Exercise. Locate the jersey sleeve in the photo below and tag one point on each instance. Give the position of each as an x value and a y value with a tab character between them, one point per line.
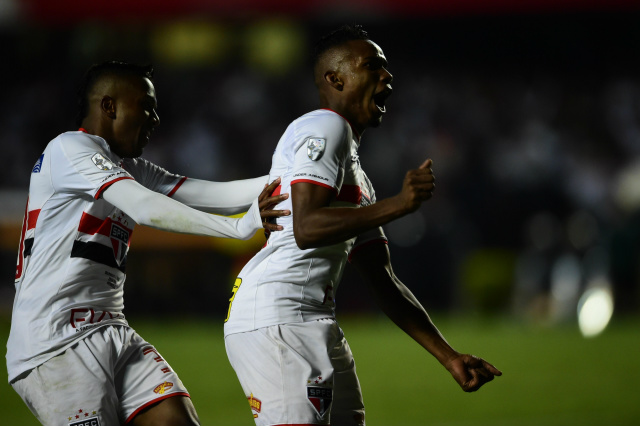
152	176
79	165
374	236
323	145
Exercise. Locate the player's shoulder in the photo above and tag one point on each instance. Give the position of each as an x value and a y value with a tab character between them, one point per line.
324	118
135	162
323	123
78	141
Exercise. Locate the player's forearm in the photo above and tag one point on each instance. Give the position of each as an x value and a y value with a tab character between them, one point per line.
158	211
401	306
331	225
224	198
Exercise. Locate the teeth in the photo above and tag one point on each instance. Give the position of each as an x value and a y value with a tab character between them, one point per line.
379	101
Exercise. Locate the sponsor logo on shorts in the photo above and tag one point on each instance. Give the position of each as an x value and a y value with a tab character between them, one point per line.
320	398
84	418
255	404
162	388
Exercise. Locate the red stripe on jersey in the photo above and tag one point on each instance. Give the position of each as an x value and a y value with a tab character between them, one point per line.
276	191
350	194
107	185
20	264
142	407
178	185
93	225
368	243
32	219
313	182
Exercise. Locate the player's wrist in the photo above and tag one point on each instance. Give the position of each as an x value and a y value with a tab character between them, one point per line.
251	222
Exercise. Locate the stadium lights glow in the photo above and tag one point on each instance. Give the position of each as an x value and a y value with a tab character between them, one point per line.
595	309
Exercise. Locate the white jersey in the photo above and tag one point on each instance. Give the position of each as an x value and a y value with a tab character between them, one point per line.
73	248
282	283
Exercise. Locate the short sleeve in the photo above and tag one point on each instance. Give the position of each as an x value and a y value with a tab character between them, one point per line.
80	165
152	176
323	145
374	236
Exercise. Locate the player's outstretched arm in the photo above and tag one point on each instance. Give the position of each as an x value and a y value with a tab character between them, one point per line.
400	305
149	208
225	198
315	224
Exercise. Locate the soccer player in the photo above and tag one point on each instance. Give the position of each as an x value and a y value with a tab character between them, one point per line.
71	355
281	336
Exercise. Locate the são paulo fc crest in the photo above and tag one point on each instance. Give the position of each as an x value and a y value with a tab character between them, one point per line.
119	242
101	162
320	398
315	148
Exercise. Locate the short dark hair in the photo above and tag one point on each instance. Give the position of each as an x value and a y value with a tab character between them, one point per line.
337	37
97	71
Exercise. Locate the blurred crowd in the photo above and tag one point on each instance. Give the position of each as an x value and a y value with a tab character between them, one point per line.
533	124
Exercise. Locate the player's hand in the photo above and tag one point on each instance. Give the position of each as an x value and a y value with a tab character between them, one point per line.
266	202
418	186
471	372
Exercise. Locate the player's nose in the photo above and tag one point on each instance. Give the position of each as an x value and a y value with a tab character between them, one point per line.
386	76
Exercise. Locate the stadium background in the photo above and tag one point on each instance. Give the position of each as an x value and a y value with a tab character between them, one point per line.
530	110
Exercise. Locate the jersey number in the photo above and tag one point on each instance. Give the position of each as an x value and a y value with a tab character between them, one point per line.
236	286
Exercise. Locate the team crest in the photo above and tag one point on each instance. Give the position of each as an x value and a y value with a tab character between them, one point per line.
320	398
315	148
119	242
101	162
163	387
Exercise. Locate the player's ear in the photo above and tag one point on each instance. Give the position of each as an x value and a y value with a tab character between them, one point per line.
334	80
108	106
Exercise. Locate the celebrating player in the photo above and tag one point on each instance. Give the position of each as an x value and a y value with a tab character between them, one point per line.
289	354
71	355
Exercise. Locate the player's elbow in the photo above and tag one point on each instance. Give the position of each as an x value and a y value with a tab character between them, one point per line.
304	236
302	240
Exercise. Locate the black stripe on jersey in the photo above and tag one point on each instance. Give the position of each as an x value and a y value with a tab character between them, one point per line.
28	244
96	252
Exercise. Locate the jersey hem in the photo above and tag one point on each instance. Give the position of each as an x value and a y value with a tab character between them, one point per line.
314	182
154	401
107	185
229	330
178	185
27	366
365	244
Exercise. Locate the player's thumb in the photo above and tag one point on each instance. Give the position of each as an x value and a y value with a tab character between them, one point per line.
427	163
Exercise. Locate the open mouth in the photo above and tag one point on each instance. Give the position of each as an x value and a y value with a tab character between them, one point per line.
380	98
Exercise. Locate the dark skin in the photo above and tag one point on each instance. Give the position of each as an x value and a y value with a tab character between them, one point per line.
122	110
352	80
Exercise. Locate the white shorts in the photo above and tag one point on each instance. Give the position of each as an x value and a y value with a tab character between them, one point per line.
105	379
298	374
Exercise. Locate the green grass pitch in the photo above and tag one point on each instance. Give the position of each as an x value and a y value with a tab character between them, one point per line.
552	376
